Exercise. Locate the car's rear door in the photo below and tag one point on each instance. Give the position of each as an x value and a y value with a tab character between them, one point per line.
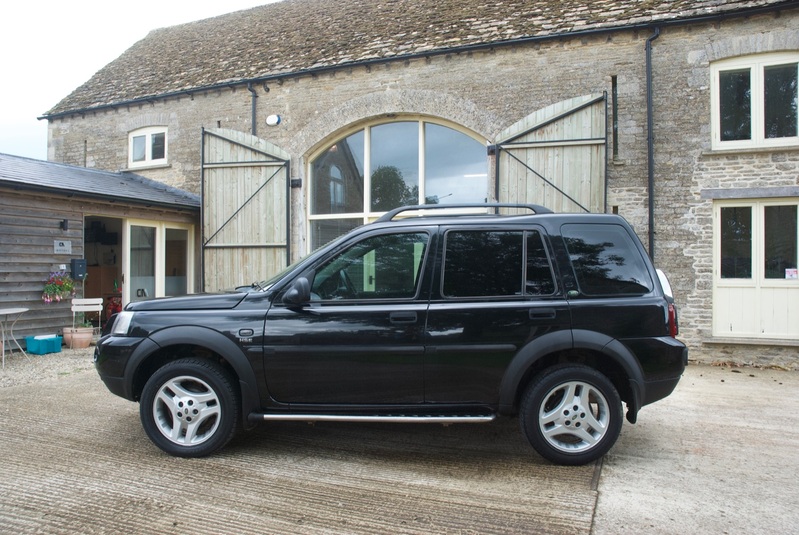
495	292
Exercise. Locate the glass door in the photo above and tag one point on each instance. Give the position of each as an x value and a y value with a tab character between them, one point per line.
176	259
159	260
142	262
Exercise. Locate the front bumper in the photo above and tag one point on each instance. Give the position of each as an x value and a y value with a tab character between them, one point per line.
113	359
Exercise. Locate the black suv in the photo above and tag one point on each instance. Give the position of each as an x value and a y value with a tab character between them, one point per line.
421	318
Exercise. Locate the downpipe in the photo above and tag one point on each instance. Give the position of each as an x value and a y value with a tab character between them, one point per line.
650	141
254	99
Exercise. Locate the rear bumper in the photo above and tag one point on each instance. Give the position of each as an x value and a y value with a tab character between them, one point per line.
655	390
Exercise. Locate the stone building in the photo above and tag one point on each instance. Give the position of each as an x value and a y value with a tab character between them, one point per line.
298	120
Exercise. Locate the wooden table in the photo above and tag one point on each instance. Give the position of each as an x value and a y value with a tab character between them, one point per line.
12	315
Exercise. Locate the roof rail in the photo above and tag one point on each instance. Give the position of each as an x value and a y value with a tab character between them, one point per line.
535	208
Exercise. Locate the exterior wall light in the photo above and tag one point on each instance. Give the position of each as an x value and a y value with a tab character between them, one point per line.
273	120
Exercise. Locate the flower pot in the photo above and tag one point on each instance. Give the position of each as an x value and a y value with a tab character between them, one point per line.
78	337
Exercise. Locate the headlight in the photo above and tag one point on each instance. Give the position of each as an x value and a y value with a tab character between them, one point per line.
122	323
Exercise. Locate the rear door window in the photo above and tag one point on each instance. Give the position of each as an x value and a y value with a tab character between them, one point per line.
606	260
496	263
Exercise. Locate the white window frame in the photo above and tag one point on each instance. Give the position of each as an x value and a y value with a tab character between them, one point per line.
753	307
148	133
160	228
756	64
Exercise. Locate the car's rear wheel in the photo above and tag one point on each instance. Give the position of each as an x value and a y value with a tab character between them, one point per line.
190	408
571	414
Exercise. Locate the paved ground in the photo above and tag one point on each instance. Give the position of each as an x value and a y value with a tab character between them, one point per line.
719	456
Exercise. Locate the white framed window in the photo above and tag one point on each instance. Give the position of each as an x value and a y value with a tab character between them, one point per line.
756	283
147	147
754	101
384	165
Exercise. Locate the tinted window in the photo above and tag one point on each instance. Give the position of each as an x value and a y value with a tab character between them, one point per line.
492	263
539	272
379	267
606	260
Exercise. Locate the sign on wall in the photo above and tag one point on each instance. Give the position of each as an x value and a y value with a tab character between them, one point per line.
62	247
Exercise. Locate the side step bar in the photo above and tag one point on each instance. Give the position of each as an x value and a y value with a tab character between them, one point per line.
432	419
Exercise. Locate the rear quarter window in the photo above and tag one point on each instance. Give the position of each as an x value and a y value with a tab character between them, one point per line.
606	260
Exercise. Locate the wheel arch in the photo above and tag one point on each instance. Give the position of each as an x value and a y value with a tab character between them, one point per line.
173	343
599	351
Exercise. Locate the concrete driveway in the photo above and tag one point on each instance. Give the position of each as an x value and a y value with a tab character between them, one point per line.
719	456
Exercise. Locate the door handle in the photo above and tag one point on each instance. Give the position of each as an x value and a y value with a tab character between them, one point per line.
402	317
542	313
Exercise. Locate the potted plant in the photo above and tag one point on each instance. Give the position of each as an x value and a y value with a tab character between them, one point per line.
80	335
57	287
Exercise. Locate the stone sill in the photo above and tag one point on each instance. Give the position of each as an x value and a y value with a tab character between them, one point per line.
758	150
783	342
147	167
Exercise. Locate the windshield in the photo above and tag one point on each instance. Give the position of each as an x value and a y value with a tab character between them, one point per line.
264	285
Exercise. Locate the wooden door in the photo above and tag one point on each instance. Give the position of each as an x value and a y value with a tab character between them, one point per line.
245	209
556	157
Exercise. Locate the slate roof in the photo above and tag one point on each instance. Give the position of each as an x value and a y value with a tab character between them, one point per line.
296	36
61	179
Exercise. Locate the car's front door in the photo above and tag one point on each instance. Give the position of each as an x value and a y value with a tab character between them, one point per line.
360	339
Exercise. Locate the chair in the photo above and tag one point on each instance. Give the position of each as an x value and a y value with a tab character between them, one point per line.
92	304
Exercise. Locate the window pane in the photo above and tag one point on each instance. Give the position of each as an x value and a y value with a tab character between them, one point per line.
779	87
394	165
736	242
138	147
159	146
176	261
380	267
735	108
337	178
539	272
780	236
483	264
142	263
606	260
455	167
327	230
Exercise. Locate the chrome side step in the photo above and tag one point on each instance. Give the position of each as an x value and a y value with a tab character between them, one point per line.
377	418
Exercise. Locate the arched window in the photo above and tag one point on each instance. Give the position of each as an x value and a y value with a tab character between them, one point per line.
387	165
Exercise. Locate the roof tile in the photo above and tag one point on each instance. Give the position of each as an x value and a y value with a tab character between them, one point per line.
27	173
297	35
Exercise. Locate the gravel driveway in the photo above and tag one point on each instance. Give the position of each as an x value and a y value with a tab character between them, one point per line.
717	456
20	371
75	460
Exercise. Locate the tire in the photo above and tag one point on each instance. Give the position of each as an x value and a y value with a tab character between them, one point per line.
571	414
190	408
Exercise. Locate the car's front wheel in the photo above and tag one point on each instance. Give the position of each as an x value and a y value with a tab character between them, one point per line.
190	408
571	414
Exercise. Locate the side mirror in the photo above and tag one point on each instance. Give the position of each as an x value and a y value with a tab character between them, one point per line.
299	293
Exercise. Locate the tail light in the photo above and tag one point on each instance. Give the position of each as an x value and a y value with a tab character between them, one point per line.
674	328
